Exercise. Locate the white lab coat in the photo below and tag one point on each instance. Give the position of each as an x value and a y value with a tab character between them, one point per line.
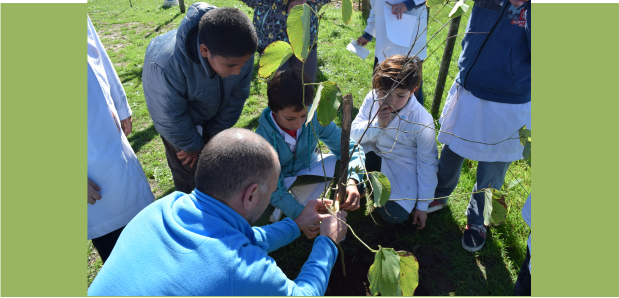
412	164
112	164
384	47
478	120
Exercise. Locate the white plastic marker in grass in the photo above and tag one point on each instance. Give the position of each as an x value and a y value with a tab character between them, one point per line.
357	49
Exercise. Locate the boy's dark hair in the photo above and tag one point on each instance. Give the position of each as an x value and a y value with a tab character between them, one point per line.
387	73
227	32
285	90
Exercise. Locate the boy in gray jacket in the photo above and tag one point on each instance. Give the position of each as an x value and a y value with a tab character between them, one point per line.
196	79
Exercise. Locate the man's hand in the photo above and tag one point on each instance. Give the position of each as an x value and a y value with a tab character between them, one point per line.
420	219
384	116
352	196
190	158
333	228
294	3
362	41
398	9
517	3
93	195
126	125
313	213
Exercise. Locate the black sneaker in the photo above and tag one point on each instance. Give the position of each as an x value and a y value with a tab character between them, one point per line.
474	237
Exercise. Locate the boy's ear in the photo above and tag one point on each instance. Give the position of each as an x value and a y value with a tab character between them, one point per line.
416	88
203	50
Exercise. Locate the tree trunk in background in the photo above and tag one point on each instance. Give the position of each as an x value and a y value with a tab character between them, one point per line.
444	70
365	8
181	3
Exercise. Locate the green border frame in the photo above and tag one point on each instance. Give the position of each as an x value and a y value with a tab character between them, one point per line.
575	117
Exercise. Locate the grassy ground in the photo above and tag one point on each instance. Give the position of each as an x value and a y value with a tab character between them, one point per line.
445	268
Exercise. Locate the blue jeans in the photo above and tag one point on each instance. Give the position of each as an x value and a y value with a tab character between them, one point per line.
488	174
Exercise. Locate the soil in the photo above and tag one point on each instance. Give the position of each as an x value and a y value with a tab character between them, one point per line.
355	283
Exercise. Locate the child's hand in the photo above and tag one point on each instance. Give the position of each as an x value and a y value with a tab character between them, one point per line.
362	41
353	198
398	9
517	3
420	219
384	117
93	194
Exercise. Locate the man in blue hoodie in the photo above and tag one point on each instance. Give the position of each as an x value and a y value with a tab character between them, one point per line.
488	103
196	80
202	244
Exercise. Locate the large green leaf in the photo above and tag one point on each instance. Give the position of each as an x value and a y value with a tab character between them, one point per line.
330	101
524	135
458	9
430	3
409	273
382	188
273	57
346	11
298	28
495	208
525	140
384	272
312	111
526	153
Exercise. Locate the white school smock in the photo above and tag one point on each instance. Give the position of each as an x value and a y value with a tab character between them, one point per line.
475	119
412	165
377	28
112	164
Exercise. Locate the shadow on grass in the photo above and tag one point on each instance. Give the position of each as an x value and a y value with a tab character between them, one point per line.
131	74
253	123
167	192
141	138
164	24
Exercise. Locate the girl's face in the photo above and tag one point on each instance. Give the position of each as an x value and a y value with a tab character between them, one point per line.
398	98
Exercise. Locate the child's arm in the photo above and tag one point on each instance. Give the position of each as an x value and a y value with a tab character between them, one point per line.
283	200
427	161
363	118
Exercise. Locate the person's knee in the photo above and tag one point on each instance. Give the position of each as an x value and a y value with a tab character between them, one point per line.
393	213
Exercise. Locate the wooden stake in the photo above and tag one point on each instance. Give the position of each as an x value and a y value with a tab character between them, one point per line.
345	140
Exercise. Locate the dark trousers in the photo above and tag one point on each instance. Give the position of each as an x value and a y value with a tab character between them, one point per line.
418	94
311	64
105	243
184	177
392	212
523	283
488	174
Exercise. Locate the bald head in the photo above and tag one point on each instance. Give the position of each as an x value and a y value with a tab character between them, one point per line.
234	159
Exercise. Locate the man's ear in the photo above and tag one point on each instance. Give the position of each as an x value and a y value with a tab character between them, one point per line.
203	50
251	196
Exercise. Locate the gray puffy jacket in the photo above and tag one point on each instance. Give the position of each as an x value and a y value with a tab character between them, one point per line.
182	91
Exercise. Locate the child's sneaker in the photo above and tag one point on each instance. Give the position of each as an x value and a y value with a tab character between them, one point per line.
435	205
474	237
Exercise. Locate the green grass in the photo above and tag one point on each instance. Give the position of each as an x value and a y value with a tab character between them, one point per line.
446	269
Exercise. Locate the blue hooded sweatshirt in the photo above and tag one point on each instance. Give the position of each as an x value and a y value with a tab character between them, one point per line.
293	162
495	63
195	245
181	89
